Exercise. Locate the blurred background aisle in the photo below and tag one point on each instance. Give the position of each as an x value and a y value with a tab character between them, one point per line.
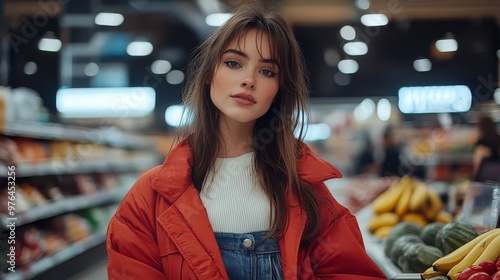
90	98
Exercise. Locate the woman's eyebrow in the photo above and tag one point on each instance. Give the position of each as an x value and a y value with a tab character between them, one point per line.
244	55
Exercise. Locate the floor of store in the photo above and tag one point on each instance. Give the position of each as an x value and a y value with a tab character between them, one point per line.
96	271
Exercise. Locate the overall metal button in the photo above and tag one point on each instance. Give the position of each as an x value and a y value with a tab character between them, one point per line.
247	242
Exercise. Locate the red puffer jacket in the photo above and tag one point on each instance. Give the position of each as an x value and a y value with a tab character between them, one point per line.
161	230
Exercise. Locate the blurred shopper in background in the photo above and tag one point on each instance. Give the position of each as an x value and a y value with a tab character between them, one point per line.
365	161
240	197
487	145
391	162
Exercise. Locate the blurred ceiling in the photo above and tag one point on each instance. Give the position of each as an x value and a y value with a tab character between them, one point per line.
301	12
174	27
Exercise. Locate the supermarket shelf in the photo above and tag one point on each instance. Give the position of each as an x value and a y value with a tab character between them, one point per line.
62	256
53	131
80	166
375	249
64	206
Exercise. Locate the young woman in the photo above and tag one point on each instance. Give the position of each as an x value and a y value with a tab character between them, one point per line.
240	197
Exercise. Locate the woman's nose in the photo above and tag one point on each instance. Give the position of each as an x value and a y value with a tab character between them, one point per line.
247	83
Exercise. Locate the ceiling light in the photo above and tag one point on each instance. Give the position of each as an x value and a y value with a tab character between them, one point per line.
364	110
173	115
91	69
355	48
139	48
348	66
348	32
161	67
374	20
217	19
120	102
447	45
362	4
496	96
175	77
30	68
108	19
422	65
49	44
434	99
384	109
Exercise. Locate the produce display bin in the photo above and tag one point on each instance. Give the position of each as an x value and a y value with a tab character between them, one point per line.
481	206
375	249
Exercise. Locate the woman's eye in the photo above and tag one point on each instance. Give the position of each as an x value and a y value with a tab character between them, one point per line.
232	64
268	73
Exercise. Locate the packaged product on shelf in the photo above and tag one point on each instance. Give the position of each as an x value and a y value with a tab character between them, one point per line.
85	184
31	246
51	192
7	113
97	218
22	203
89	151
107	181
77	228
28	105
54	242
4	200
8	152
30	150
33	195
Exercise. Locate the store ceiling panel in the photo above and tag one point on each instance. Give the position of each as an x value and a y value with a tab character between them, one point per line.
174	27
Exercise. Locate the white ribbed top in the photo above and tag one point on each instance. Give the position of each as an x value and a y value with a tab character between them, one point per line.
234	200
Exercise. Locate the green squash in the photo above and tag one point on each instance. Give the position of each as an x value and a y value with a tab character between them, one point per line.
418	258
401	244
453	235
429	233
400	229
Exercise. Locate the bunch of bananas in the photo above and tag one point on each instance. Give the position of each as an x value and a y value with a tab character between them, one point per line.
408	199
484	247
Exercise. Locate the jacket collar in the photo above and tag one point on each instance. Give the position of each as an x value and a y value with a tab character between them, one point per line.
175	175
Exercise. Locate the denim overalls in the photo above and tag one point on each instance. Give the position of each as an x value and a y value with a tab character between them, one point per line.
247	259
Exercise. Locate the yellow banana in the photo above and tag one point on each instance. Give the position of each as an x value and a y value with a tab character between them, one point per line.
404	200
387	200
429	273
435	205
383	232
418	196
382	220
417	218
445	263
492	252
472	256
443	217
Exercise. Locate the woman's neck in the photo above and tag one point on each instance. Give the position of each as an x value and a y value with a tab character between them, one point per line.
236	138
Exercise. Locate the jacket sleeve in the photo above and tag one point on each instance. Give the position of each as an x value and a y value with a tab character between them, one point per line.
131	243
338	252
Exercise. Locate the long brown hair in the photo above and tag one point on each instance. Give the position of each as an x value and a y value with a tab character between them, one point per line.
277	148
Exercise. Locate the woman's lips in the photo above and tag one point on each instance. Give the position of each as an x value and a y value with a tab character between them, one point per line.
244	98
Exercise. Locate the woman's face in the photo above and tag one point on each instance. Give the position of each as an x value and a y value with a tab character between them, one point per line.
245	81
